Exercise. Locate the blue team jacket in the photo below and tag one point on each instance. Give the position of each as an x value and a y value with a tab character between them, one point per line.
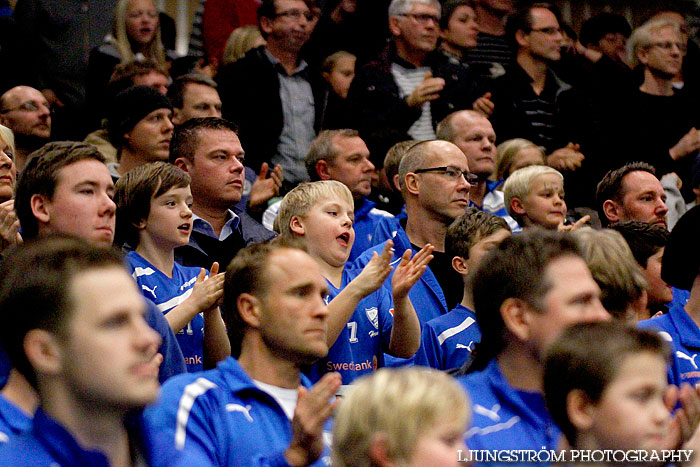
448	340
366	220
13	421
505	418
359	348
223	416
683	336
48	444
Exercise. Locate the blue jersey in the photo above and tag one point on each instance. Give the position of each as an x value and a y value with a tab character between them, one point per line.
224	416
167	293
683	336
13	421
359	347
48	444
448	340
366	219
505	418
493	203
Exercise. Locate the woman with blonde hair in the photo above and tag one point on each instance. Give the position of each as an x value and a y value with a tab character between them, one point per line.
240	41
516	153
401	417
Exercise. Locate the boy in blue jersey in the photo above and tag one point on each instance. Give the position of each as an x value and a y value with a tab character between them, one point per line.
680	268
448	340
613	395
319	216
256	407
527	290
75	329
534	196
154	216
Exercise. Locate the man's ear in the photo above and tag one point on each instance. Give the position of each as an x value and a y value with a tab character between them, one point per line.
379	451
43	351
140	225
39	204
642	56
522	38
412	184
266	24
517	206
611	210
249	308
296	225
322	169
459	264
177	114
394	26
397	185
579	410
515	313
183	164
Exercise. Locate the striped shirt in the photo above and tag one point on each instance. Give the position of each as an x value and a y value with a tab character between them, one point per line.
408	80
491	57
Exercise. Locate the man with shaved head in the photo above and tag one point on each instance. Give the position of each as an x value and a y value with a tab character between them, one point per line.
435	184
471	132
27	113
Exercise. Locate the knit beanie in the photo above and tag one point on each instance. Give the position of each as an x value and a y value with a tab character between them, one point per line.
129	107
680	264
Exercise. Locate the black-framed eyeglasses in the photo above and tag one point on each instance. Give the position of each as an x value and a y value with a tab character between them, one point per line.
422	18
452	173
296	14
551	31
30	106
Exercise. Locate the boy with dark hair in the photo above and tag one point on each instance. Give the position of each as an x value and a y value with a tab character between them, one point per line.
76	331
648	243
448	340
680	268
613	395
526	292
153	203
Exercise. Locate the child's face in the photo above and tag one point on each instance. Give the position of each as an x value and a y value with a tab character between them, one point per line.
341	76
169	222
659	292
438	446
328	232
483	246
544	205
631	413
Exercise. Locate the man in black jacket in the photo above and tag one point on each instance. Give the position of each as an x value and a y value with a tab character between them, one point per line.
209	150
411	86
272	95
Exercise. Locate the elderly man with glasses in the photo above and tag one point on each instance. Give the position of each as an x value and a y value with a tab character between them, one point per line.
410	87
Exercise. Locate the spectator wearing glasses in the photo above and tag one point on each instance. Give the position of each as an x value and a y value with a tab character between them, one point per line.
664	115
435	183
411	86
27	113
271	94
528	99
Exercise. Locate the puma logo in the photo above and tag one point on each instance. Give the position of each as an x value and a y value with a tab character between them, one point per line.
680	354
239	408
151	291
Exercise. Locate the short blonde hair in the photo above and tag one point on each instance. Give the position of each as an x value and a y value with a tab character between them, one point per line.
401	404
9	138
519	184
613	267
241	40
641	38
507	151
299	201
332	60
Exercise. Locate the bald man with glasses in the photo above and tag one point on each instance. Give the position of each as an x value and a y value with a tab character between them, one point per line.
27	113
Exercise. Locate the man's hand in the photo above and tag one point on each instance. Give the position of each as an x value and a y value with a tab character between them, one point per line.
410	270
426	91
566	158
313	408
9	225
265	187
688	144
484	105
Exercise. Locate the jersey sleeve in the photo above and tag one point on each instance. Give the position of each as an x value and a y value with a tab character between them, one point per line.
429	354
386	316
